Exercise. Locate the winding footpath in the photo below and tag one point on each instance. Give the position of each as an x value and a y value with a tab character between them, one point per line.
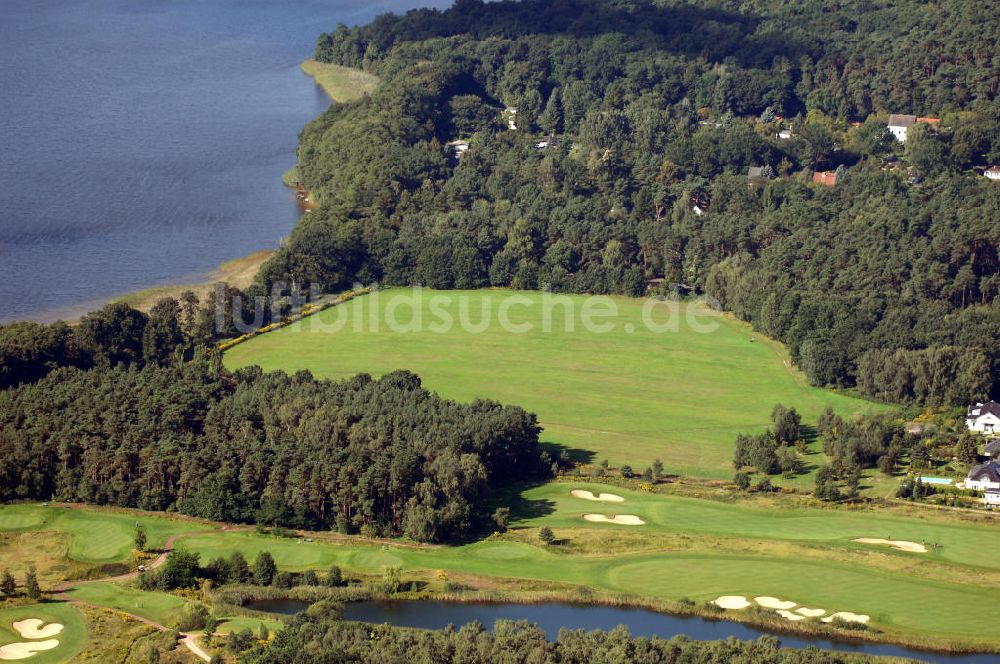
187	639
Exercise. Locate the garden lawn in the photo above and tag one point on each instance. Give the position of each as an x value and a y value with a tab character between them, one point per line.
628	395
71	639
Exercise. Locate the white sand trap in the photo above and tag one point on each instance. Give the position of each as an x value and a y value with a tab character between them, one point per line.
848	616
731	602
603	498
773	603
810	613
619	519
902	545
788	615
31	628
13	651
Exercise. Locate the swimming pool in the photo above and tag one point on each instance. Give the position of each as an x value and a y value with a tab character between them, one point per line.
936	480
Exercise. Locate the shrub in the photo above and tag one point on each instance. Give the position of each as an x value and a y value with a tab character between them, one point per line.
193	616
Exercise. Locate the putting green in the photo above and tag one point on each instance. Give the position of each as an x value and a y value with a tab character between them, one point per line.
95	536
71	639
629	394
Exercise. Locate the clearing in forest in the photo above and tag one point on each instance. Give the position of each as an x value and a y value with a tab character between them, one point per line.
616	389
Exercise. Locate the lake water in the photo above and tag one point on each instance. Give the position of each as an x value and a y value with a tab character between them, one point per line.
142	142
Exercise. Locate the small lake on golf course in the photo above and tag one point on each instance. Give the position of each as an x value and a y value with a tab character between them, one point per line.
551	617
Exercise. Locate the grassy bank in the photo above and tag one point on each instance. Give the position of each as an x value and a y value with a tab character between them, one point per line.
239	272
629	395
342	84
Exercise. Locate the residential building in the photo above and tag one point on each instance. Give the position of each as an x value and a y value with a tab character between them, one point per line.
984	417
826	178
899	124
984	477
992	173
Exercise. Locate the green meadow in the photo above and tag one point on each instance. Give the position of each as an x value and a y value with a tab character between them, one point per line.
342	84
71	639
621	391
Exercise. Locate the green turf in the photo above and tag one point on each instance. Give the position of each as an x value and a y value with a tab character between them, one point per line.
71	639
629	397
159	607
95	536
961	543
892	598
807	557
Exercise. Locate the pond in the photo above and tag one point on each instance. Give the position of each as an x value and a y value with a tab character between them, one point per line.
550	617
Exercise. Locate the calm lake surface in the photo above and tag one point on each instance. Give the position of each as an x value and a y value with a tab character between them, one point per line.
552	616
142	142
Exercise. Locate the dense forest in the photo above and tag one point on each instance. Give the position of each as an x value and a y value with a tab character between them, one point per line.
383	457
609	147
318	637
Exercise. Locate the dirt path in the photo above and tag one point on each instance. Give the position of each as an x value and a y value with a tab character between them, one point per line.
168	546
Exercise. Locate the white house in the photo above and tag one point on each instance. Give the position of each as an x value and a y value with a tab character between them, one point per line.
984	418
898	124
784	134
457	148
992	173
510	115
984	477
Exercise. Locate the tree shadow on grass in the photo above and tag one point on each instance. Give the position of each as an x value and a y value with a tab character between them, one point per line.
576	455
511	497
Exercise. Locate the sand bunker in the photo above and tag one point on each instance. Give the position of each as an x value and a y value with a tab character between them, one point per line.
603	498
848	616
773	603
788	615
731	602
620	519
810	613
31	628
902	545
13	651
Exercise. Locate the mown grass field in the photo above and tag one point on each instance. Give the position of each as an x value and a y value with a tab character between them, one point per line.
71	639
162	608
94	536
628	395
342	84
698	549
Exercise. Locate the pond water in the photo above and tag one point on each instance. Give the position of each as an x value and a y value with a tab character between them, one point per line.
551	617
143	142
